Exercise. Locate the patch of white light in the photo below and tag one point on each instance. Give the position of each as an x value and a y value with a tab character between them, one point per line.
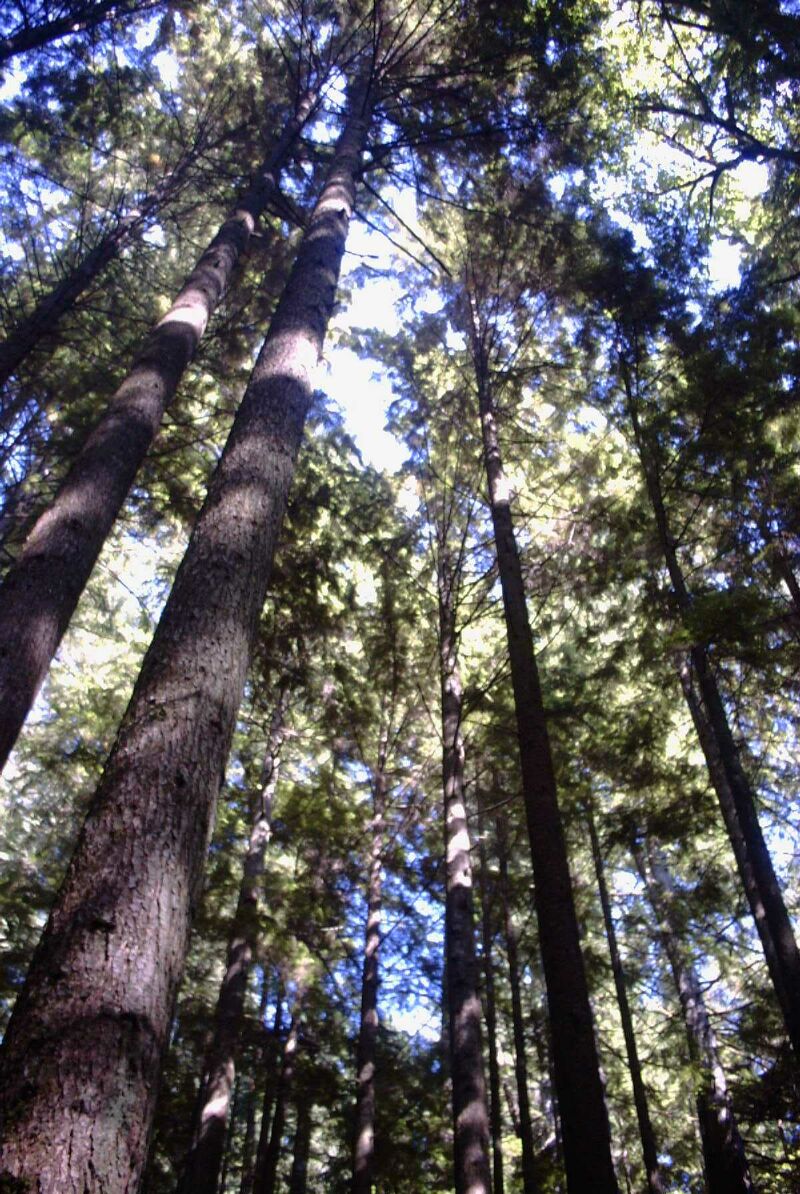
724	264
155	236
420	1020
146	33
11	85
166	64
363	394
9	249
455	341
589	417
635	227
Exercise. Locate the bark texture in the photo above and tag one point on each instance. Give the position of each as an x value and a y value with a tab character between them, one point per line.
529	1183
726	1167
655	1182
41	590
298	1179
584	1119
84	1047
731	784
364	1140
470	1111
202	1167
269	1144
487	935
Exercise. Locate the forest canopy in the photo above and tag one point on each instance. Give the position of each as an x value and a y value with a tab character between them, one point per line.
399	596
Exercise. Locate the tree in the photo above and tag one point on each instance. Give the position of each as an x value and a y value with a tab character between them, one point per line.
224	535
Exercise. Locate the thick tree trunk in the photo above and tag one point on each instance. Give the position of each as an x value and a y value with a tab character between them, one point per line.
487	934
726	1165
364	1138
584	1119
470	1112
43	586
84	1047
529	1183
734	791
655	1183
298	1179
42	322
269	1144
202	1165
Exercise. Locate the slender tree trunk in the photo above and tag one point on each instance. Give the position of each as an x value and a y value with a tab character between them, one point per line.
80	17
202	1165
269	1155
364	1139
43	586
529	1183
298	1180
222	1180
726	1165
271	1078
495	1108
733	788
655	1183
42	322
584	1119
249	1142
470	1112
83	1050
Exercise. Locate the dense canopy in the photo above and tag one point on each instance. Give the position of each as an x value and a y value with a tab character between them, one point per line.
399	596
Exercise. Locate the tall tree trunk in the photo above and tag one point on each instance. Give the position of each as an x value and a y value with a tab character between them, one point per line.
269	1144
271	1055
726	1165
79	17
487	934
222	1180
201	1168
655	1184
733	788
298	1179
470	1112
529	1183
584	1119
43	586
364	1139
249	1142
42	322
84	1047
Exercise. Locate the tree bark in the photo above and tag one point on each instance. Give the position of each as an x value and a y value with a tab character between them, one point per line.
487	934
268	1156
655	1183
584	1119
202	1166
42	588
298	1179
271	1077
470	1112
727	1171
84	1047
364	1140
42	321
733	788
529	1183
